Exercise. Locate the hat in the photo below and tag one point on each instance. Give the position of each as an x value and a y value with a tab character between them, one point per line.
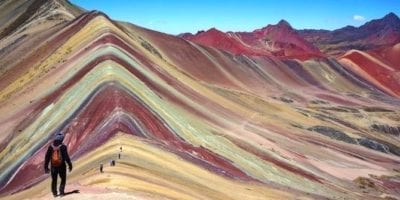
59	136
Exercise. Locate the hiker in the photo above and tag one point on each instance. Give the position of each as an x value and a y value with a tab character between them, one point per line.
120	148
119	156
101	168
57	156
112	163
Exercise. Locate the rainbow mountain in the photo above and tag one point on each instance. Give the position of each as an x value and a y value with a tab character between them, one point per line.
194	121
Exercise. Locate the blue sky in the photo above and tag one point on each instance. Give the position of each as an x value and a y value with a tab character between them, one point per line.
175	16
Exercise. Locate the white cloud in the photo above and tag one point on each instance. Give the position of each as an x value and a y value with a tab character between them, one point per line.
359	18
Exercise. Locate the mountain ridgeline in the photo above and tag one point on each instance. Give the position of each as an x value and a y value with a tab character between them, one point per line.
281	39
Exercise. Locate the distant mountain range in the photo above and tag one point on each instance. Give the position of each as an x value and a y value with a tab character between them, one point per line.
283	41
373	34
278	40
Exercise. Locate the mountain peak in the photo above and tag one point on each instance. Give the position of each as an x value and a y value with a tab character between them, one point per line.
213	29
392	19
283	22
185	35
391	15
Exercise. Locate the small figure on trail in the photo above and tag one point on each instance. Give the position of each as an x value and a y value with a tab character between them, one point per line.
57	156
101	168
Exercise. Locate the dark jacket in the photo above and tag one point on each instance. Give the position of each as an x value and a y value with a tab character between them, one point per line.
64	155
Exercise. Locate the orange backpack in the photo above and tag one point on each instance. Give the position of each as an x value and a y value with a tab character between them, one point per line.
56	159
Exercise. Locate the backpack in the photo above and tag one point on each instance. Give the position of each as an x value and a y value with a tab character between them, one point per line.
56	159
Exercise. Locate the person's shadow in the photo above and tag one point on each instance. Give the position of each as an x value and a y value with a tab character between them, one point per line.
71	192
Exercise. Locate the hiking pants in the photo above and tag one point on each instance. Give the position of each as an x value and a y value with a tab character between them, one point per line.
58	171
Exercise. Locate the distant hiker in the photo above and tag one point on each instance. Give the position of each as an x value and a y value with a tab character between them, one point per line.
119	156
112	163
120	149
57	156
101	168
